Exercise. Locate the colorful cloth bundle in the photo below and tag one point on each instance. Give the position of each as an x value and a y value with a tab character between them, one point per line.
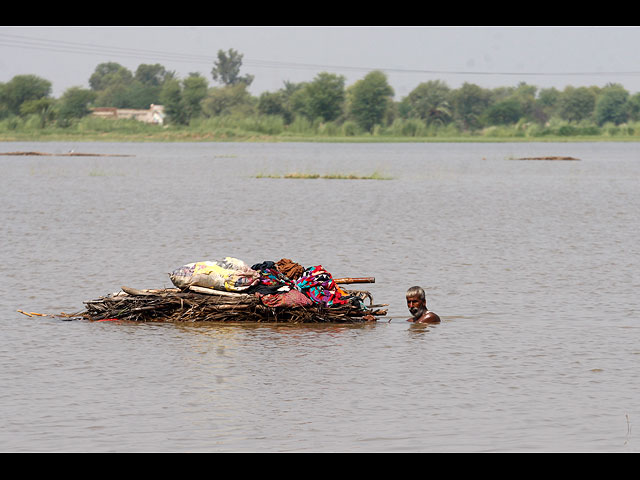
271	279
314	282
267	280
318	285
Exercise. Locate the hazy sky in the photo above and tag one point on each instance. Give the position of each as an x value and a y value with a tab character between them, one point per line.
487	56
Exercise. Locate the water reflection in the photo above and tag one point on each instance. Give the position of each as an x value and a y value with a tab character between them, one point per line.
271	330
420	329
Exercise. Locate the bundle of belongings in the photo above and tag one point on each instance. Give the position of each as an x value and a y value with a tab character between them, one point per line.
230	290
230	274
277	284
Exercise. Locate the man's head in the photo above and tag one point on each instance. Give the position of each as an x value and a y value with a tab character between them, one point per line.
416	301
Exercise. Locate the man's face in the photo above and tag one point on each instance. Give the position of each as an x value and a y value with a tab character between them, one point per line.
415	305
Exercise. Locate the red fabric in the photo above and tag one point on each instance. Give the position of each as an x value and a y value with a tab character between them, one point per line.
292	298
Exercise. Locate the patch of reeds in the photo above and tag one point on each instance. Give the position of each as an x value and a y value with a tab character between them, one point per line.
328	176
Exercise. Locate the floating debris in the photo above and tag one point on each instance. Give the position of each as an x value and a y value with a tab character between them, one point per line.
174	305
230	291
68	154
547	158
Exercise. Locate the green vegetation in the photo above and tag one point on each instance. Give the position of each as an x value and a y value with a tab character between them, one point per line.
323	109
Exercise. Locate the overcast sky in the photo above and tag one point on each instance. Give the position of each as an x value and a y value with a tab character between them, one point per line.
487	56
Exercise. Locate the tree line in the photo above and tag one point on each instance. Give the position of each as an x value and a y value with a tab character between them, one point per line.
364	106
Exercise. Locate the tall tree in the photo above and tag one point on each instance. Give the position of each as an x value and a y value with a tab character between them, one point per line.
504	112
370	99
151	75
470	102
321	98
226	69
546	104
42	107
274	103
429	101
281	102
634	107
75	101
109	74
171	98
612	105
576	104
525	96
228	100
115	86
194	90
21	89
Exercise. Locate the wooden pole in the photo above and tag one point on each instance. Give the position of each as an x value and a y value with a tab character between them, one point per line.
355	280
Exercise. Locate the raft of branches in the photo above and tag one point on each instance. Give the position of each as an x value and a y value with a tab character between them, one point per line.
175	305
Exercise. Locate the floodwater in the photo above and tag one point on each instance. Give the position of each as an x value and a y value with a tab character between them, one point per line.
532	266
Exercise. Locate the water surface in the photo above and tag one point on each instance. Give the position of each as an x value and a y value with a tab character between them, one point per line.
532	265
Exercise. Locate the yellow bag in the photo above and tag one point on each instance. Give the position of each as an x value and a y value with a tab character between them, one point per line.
230	275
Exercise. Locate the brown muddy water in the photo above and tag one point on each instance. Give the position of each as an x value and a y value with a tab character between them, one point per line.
532	266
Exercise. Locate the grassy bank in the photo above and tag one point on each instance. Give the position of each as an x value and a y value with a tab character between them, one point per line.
269	129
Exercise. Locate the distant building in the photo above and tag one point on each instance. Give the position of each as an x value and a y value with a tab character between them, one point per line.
155	113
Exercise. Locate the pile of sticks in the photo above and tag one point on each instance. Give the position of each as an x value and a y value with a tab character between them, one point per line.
175	305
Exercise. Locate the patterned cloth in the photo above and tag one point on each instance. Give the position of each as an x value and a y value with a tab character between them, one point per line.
314	283
317	284
271	279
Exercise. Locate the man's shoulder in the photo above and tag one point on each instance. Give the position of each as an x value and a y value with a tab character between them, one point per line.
430	317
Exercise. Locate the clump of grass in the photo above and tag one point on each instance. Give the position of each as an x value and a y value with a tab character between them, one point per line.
301	175
351	176
267	175
329	176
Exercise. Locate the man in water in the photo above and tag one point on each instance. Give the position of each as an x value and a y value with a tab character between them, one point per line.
417	303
